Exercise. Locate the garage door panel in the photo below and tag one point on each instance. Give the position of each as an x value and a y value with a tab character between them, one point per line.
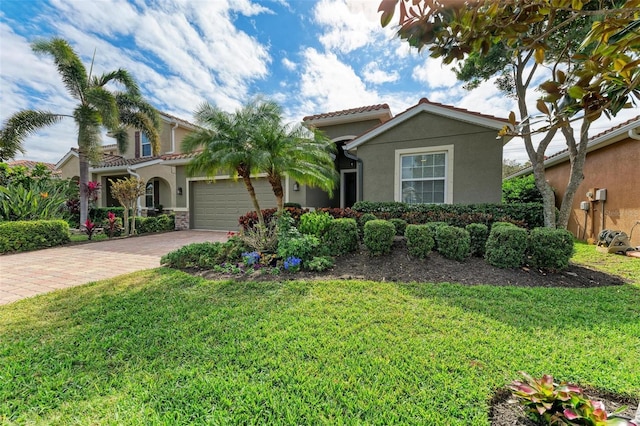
218	205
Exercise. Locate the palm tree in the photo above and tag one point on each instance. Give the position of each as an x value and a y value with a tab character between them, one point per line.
300	153
228	143
98	107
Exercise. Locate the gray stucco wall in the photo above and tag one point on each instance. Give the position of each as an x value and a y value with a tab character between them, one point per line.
477	166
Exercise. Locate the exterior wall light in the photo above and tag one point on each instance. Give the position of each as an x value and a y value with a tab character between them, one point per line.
179	190
296	186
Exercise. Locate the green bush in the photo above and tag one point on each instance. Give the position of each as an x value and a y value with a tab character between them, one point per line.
521	189
205	255
292	205
506	246
434	227
479	232
320	263
550	248
453	242
420	240
378	236
167	222
400	225
32	235
362	221
314	223
303	246
499	224
101	214
341	236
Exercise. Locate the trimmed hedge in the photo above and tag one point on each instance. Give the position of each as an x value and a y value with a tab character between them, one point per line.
506	246
32	235
400	225
250	219
453	242
420	240
341	236
529	215
479	233
205	255
163	222
550	248
378	236
101	214
434	227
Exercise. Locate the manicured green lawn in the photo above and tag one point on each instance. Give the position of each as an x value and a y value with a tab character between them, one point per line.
163	347
624	266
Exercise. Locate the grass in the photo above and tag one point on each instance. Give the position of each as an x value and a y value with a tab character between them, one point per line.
84	237
623	266
164	347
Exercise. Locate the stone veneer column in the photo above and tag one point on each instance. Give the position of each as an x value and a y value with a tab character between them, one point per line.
182	220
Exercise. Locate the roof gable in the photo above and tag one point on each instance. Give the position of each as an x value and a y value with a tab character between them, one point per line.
424	105
372	112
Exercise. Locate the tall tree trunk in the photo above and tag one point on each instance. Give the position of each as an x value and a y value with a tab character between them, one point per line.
577	158
252	193
84	179
276	186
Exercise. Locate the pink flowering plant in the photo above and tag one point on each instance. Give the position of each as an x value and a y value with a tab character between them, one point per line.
562	404
111	221
89	228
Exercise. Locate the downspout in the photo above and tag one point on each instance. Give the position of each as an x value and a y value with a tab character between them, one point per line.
633	134
359	167
173	139
139	203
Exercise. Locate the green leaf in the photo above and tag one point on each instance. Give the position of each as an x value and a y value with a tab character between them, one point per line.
576	4
576	92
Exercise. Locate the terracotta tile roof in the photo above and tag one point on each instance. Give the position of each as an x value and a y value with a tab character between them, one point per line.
30	165
180	156
452	108
347	112
599	135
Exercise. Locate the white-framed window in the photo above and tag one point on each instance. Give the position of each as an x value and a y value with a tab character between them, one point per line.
424	175
149	195
145	145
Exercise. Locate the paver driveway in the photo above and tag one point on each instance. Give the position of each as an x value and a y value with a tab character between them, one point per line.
28	274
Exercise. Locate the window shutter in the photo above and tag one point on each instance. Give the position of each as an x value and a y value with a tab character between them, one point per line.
137	140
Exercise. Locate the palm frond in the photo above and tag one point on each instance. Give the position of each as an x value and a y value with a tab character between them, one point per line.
135	112
20	125
68	63
104	102
121	136
89	123
121	76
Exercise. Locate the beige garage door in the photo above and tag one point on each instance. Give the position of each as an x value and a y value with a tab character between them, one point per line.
218	205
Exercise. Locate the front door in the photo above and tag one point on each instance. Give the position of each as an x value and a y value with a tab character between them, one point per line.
348	188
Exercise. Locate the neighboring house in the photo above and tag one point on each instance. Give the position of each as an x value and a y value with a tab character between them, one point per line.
30	165
612	164
431	153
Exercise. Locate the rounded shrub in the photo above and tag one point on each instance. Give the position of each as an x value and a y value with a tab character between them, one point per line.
435	226
453	242
506	246
420	240
362	221
550	248
479	232
341	236
400	225
314	223
378	236
32	235
302	246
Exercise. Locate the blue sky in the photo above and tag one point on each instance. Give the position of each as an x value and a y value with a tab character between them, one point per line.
310	56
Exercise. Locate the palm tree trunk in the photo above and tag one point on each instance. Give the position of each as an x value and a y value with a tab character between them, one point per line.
276	186
252	193
84	179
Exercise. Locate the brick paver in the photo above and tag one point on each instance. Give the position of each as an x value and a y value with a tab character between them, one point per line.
28	274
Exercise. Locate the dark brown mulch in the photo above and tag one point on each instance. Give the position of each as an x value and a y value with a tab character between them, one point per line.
398	266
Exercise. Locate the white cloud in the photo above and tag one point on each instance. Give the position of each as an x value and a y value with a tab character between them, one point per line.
289	64
350	24
435	74
373	74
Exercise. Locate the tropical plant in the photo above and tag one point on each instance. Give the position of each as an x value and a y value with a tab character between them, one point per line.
584	52
97	107
298	152
521	189
127	191
227	143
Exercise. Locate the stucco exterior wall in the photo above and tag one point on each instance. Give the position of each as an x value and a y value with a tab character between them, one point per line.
615	168
477	165
71	168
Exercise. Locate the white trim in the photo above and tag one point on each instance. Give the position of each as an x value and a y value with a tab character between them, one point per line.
448	171
342	188
433	109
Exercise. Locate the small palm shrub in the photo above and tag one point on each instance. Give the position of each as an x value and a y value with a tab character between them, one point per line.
550	248
420	240
506	246
453	242
378	236
341	236
479	232
314	223
400	225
